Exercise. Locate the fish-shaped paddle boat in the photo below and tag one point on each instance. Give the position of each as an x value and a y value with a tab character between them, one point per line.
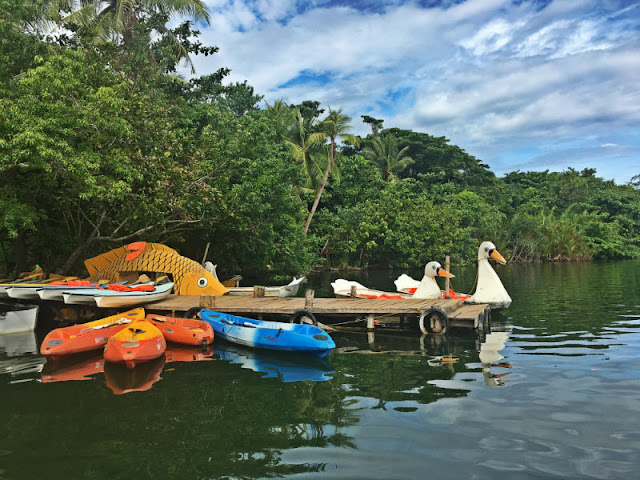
138	342
489	288
292	337
189	276
188	331
86	336
117	295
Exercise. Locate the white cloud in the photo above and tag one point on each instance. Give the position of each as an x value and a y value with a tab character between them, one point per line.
484	73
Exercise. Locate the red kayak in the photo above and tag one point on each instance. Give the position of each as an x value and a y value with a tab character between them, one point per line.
188	331
87	336
138	342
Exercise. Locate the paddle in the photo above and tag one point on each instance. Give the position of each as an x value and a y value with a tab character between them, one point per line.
120	321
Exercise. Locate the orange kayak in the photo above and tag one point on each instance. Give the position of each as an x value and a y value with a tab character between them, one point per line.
140	341
86	336
188	331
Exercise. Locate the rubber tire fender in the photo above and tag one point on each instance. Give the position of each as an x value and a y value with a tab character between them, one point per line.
300	314
193	312
425	327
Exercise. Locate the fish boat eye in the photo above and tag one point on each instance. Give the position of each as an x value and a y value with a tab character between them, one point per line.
202	282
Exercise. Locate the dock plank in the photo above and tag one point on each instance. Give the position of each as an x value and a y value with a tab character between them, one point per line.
322	306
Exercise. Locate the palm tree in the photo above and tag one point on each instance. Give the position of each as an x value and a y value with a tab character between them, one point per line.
114	20
282	117
384	153
334	126
304	144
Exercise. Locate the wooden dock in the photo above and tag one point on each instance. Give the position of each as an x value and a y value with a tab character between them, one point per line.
376	311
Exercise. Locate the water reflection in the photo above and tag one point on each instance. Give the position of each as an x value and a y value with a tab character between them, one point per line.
566	356
285	366
19	356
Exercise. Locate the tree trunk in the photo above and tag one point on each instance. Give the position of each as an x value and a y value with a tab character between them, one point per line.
320	190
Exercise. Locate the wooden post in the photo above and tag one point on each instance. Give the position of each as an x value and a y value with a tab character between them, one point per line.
353	292
258	291
447	267
370	322
308	299
206	252
207	300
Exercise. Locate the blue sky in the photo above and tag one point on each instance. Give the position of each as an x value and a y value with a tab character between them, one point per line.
520	84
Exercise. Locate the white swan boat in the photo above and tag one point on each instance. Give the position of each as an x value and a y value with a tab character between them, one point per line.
427	288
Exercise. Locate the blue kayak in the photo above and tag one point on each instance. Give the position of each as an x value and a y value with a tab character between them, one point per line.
291	337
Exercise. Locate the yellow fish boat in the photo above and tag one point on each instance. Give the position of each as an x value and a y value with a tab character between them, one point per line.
128	262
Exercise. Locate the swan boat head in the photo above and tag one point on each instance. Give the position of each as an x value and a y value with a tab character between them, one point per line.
428	287
489	288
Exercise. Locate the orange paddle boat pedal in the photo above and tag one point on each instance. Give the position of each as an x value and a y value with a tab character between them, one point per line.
188	331
138	342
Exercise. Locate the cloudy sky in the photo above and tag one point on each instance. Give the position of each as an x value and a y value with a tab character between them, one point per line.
520	84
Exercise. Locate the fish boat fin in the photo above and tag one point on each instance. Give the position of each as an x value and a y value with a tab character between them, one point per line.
134	249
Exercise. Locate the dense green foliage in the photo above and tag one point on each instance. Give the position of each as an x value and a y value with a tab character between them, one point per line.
102	144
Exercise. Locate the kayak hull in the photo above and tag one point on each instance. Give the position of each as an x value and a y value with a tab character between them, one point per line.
85	337
291	337
187	331
138	342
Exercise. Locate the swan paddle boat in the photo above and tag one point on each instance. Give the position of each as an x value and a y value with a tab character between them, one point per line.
489	288
138	342
292	337
86	336
427	288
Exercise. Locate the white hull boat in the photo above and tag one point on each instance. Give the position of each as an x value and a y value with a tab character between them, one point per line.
16	318
289	290
104	298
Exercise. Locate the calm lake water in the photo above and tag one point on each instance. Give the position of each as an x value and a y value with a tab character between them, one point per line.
553	392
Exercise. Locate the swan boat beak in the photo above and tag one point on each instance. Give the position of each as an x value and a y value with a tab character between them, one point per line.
496	256
443	273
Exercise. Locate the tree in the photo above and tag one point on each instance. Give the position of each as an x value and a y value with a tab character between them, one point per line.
334	126
375	124
282	118
115	21
385	155
303	144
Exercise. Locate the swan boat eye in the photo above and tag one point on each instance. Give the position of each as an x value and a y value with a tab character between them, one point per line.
202	282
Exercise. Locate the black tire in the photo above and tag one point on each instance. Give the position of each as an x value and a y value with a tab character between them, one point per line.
193	312
434	321
300	314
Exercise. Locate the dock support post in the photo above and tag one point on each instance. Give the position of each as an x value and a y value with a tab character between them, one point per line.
258	291
207	300
308	299
353	292
447	267
370	322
